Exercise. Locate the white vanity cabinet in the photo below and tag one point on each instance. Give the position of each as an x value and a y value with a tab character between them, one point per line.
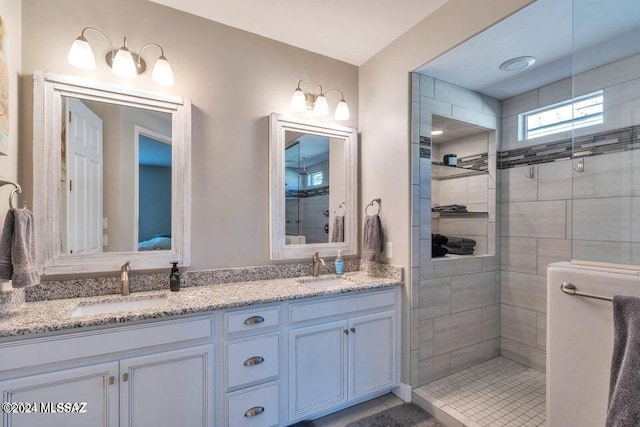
346	350
93	384
171	388
152	374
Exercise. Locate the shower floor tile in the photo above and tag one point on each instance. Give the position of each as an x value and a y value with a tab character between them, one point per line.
499	392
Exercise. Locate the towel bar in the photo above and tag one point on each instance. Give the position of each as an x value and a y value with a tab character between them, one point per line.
570	289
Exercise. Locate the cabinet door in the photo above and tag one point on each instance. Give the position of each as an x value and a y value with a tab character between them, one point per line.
91	384
173	388
317	368
372	353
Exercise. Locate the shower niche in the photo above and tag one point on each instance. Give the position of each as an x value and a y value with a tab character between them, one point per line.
463	196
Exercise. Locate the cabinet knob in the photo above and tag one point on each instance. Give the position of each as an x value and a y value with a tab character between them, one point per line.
125	377
252	361
353	330
254	320
346	332
255	411
112	380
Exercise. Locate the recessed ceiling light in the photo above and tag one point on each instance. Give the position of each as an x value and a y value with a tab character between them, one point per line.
517	64
436	132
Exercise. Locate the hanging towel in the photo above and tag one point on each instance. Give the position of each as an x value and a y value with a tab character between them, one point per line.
337	234
624	386
18	249
373	239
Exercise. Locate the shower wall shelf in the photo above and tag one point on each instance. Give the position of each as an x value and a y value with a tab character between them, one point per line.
436	215
441	172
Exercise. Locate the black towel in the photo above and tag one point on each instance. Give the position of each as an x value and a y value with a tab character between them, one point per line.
624	386
456	250
439	239
460	242
438	251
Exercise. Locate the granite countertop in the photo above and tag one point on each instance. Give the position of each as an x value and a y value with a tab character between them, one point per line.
55	315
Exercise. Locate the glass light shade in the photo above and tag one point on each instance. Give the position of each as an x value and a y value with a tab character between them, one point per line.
298	100
321	106
162	73
342	111
123	64
81	54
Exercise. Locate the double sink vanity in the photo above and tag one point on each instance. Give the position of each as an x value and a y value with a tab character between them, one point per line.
257	353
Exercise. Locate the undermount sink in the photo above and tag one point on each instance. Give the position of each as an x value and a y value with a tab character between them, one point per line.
122	304
325	282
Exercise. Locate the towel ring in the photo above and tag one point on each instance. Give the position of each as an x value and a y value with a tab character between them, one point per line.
17	190
340	206
378	201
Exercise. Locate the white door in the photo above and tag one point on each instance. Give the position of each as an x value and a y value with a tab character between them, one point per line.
173	388
93	385
372	353
84	178
317	369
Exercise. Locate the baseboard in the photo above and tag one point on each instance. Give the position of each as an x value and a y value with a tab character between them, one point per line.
404	392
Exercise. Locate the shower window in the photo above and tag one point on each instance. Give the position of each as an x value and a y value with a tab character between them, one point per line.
564	116
315	179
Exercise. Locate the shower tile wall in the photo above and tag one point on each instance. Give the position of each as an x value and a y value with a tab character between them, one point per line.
540	215
455	311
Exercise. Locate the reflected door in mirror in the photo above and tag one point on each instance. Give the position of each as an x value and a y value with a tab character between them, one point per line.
115	190
314	188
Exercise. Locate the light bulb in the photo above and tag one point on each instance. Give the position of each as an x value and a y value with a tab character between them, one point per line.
321	106
162	73
298	100
81	54
123	63
342	110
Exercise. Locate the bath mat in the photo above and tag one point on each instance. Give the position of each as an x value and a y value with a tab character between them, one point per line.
405	415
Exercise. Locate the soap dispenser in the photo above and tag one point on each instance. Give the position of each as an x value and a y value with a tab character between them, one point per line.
339	264
174	278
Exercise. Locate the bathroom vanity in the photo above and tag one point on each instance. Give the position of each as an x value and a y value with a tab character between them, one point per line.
262	353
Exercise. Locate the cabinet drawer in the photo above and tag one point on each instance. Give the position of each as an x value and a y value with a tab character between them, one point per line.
251	320
301	312
256	407
251	360
41	351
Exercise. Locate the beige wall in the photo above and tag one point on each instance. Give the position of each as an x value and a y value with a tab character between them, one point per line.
10	11
234	79
384	117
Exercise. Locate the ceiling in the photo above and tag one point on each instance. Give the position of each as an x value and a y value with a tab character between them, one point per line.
352	31
452	129
549	30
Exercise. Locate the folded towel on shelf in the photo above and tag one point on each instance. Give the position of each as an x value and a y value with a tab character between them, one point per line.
337	234
18	249
438	251
461	242
624	386
455	250
439	239
449	208
373	239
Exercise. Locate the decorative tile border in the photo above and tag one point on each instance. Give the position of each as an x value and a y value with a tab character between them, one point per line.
584	146
478	162
425	147
301	194
89	287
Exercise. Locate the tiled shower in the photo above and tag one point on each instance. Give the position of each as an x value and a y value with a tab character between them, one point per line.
570	195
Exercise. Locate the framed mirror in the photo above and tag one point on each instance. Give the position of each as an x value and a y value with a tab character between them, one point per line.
111	176
313	188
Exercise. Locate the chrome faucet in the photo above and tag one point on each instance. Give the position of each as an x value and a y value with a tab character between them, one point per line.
316	264
124	278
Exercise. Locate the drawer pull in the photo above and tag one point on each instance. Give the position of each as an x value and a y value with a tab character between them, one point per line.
353	330
254	320
254	412
252	361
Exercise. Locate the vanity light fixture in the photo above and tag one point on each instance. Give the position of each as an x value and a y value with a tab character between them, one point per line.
303	100
122	62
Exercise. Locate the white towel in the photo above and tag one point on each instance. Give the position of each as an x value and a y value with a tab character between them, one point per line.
18	249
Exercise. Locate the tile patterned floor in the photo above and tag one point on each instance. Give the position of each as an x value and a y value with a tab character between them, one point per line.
499	392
